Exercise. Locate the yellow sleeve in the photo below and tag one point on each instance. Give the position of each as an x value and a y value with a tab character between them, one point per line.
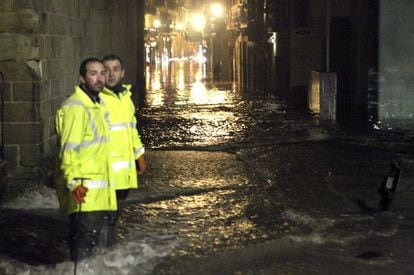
70	125
138	146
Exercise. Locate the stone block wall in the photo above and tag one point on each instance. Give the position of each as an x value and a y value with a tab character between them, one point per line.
42	43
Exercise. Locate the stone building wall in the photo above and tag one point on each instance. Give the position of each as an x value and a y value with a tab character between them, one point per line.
42	43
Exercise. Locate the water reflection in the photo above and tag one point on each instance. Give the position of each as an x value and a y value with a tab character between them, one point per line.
180	78
189	109
183	107
182	82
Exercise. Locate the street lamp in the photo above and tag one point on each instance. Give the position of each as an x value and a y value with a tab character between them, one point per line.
157	23
217	10
215	35
198	21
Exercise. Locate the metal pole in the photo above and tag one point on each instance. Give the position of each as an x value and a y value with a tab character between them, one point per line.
328	28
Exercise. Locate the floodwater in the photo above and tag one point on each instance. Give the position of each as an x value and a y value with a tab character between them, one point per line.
187	110
233	181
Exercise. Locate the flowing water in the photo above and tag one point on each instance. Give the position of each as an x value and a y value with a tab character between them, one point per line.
214	186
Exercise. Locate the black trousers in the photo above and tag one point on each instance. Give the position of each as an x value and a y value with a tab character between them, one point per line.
84	232
110	220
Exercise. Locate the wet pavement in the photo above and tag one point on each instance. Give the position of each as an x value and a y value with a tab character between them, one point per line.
236	184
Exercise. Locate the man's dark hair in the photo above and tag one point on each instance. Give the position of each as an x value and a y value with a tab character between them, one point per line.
111	57
84	64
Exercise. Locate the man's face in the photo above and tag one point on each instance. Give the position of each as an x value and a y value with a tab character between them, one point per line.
95	77
114	72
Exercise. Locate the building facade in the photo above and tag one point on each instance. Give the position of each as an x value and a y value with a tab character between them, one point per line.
278	43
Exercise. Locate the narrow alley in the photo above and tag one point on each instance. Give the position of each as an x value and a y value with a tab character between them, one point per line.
278	134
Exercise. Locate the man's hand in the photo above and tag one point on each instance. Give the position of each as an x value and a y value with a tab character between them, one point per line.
79	193
141	165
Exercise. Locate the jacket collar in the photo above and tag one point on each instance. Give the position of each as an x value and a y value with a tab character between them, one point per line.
127	89
87	99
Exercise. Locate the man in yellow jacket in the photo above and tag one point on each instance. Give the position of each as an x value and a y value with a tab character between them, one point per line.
83	172
126	149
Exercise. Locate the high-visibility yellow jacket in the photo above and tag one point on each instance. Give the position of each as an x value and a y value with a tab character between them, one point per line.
125	141
83	140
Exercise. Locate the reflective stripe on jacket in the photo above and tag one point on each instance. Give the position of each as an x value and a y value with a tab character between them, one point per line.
125	142
83	140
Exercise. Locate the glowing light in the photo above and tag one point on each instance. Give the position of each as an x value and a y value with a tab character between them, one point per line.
157	23
198	21
217	9
156	84
199	56
199	94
